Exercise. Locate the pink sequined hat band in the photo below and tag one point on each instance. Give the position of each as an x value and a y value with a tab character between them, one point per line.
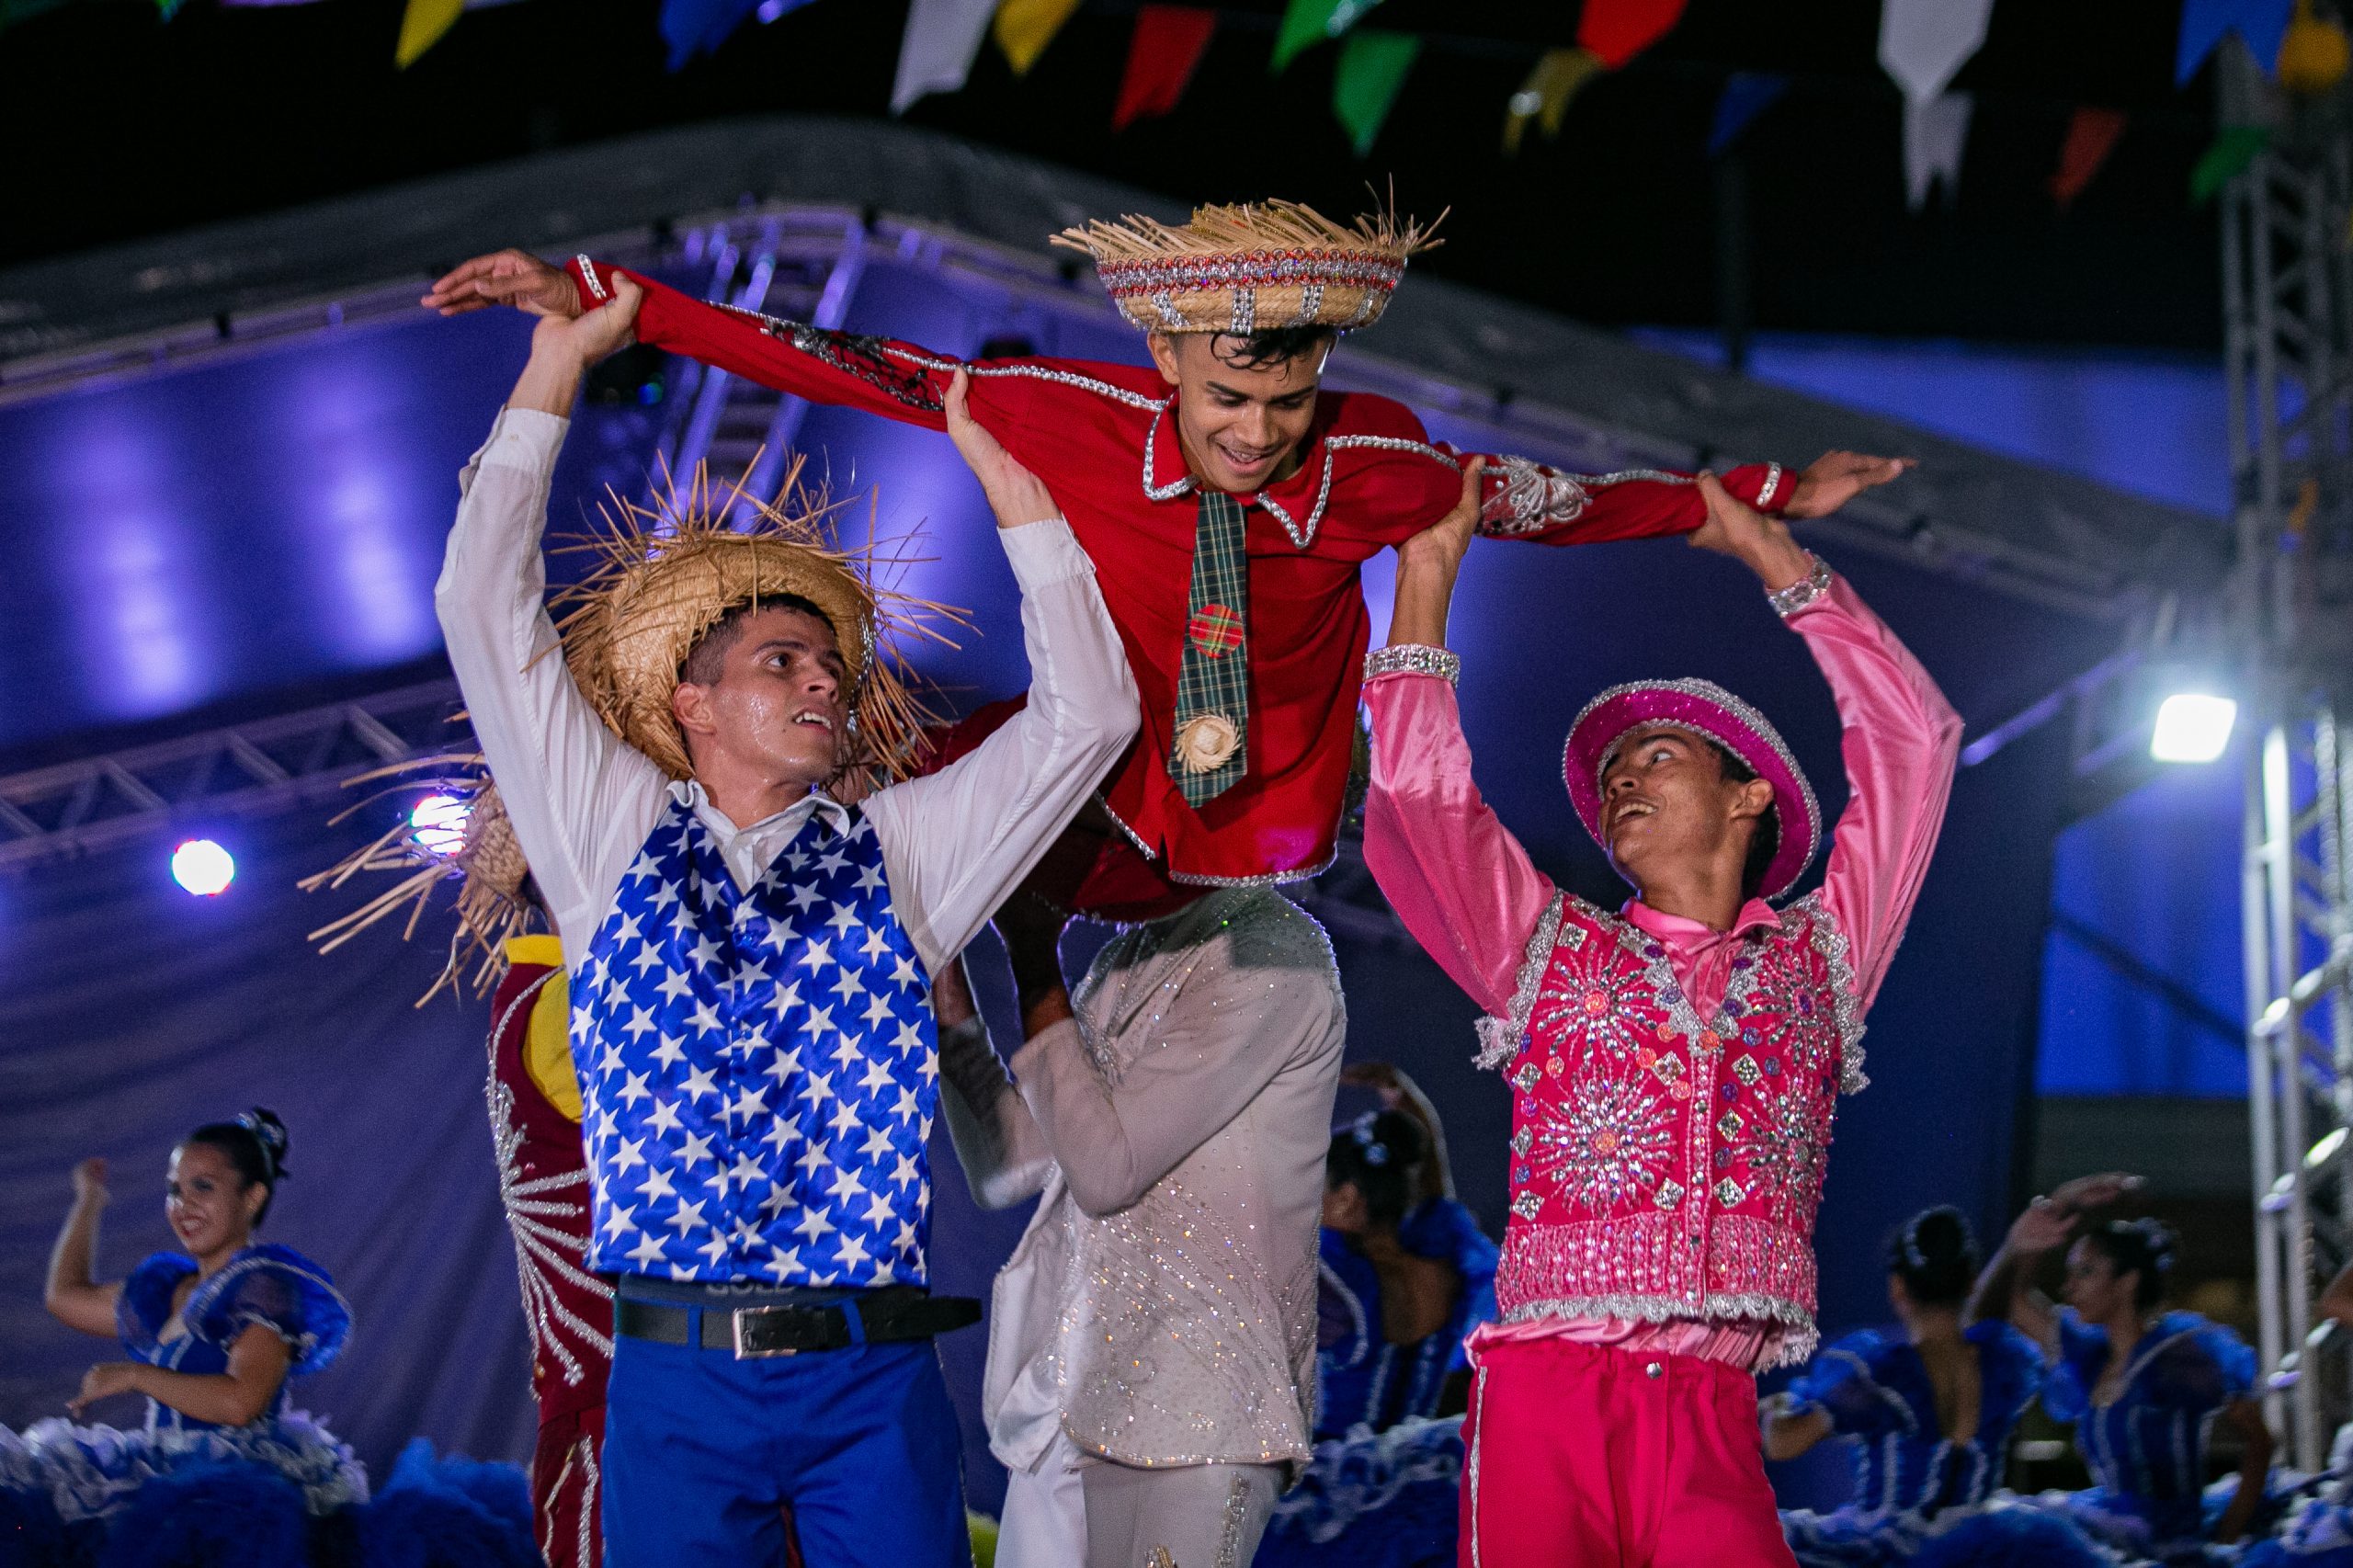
1706	709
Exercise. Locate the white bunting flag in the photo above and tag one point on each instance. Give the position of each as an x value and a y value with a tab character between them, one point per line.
1933	133
937	52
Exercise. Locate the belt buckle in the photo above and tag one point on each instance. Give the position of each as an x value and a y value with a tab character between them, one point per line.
745	1352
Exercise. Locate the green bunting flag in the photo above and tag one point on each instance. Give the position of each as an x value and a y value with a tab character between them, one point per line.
2231	151
1372	67
1307	23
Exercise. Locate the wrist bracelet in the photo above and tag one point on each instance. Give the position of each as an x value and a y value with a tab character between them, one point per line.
1413	658
1787	602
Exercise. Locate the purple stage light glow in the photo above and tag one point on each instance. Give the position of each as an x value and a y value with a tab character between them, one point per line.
203	868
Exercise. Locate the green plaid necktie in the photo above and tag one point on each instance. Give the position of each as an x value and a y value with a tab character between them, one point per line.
1211	748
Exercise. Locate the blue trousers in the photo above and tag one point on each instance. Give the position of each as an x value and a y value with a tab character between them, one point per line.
703	1453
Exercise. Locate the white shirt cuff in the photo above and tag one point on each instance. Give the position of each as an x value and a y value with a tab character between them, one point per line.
1043	553
526	438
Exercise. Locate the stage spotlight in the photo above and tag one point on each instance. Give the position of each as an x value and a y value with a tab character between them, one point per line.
203	868
2192	727
440	824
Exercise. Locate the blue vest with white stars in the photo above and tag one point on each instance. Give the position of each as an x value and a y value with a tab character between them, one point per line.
760	1068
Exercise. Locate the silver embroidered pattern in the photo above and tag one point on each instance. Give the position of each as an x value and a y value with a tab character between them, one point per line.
1303	534
1237	1513
1789	1349
588	276
1846	1008
1202	879
537	1216
1787	602
1183	483
1533	499
1749	717
1166	305
1413	658
1610	1141
1500	1036
1311	305
1772	484
1245	319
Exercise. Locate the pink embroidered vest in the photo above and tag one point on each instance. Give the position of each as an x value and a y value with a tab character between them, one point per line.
1666	1167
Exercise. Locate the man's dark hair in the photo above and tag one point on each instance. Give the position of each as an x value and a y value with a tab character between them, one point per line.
1766	842
1269	346
706	660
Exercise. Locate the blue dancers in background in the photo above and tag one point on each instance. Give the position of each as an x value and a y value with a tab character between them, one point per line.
1404	1274
1928	1414
223	1471
2147	1389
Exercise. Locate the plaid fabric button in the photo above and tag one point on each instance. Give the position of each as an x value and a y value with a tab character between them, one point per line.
1215	630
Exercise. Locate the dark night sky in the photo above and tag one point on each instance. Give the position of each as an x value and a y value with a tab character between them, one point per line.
137	127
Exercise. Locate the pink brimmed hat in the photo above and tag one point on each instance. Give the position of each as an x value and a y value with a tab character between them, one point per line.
1704	709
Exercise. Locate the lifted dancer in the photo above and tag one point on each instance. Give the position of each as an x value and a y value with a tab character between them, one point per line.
1151	1342
1674	1066
1228	498
748	966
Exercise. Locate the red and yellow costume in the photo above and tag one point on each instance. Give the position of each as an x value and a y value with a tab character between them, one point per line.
543	1185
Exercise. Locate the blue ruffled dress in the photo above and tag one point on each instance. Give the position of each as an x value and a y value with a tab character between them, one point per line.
2147	1450
1382	1490
93	1471
1911	1480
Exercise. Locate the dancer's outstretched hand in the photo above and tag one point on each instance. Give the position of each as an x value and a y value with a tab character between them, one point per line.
104	1382
90	1182
597	332
1016	495
510	276
2098	1190
1835	478
1442	545
1761	543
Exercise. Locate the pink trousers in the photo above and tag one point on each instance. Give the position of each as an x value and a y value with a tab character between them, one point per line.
1586	1457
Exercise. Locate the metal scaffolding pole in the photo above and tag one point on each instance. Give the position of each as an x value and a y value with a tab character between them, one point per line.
2288	282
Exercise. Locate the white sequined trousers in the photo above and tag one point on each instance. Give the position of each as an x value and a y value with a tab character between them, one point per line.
1203	1516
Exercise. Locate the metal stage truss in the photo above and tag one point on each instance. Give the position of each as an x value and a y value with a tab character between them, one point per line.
2288	312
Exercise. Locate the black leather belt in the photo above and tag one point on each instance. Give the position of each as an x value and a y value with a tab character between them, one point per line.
883	1316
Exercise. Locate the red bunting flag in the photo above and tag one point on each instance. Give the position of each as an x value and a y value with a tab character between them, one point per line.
2091	136
1616	30
1166	48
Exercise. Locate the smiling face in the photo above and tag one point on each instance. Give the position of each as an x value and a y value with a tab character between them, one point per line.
210	1205
1346	1210
763	690
1241	419
1666	805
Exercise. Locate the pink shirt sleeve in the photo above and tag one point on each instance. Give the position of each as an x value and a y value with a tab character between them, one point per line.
1900	739
1462	885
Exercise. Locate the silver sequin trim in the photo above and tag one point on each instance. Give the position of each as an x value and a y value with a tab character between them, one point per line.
1415	658
1237	1513
1170	317
1303	534
1245	312
1499	1038
1035	372
1765	491
1478	1436
1183	483
1532	500
1188	879
1793	1347
1709	691
1798	595
1846	1007
588	276
1311	305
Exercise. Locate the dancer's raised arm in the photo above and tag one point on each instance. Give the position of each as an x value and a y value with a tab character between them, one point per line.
71	1296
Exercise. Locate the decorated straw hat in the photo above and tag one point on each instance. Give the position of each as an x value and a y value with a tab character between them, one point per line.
1706	709
485	864
1252	268
664	573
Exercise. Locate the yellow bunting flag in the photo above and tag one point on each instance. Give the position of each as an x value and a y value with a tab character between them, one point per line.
422	27
1024	28
1556	78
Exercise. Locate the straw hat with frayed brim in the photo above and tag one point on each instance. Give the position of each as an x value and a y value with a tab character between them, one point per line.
666	572
486	864
1251	268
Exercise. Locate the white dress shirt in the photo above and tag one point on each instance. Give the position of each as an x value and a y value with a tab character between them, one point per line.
583	802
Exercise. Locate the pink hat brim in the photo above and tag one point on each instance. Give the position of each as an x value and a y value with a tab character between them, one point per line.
1716	713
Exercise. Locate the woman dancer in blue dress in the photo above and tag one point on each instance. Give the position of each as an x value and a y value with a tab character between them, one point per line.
215	1332
1400	1283
1930	1414
2145	1387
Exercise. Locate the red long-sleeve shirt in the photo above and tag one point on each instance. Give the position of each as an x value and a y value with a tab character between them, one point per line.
1103	438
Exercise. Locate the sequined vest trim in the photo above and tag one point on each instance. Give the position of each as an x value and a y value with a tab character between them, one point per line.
759	1069
1665	1166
